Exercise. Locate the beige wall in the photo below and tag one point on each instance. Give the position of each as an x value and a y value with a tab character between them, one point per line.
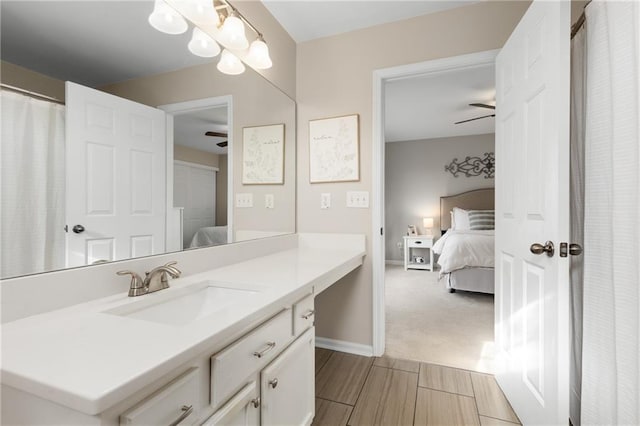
334	77
24	78
192	155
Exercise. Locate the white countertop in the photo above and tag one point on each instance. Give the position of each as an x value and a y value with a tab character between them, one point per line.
88	360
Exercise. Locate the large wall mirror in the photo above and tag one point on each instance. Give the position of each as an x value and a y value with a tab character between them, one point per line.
117	142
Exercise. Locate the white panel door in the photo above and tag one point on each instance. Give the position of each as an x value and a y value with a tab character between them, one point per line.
116	178
532	206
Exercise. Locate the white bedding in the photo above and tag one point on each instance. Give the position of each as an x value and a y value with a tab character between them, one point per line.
209	236
462	249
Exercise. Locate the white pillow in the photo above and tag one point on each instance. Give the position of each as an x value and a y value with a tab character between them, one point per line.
460	219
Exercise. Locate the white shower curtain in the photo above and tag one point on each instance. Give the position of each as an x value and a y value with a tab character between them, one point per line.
32	185
611	327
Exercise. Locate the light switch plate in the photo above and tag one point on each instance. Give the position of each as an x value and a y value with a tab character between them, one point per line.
244	200
269	201
358	199
325	200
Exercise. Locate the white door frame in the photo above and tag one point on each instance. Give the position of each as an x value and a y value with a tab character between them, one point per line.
180	108
380	77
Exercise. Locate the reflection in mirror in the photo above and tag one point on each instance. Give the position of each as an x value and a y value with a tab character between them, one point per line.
137	167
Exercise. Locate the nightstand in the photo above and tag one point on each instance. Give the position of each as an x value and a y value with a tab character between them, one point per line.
413	244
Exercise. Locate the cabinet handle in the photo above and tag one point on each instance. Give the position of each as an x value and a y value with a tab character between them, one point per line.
260	354
309	314
186	412
273	383
417	242
255	402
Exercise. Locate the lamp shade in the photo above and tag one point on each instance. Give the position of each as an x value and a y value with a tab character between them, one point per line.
232	34
202	12
203	45
230	64
427	222
165	19
258	56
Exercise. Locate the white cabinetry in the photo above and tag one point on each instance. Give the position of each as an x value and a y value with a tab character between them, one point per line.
242	410
288	399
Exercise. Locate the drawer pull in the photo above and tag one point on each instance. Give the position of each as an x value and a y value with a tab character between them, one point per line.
417	242
273	383
255	402
270	345
309	314
186	412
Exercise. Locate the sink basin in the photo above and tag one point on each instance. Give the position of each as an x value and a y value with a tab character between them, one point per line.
194	303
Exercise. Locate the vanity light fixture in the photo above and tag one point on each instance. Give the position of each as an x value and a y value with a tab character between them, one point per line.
203	45
165	19
230	64
216	24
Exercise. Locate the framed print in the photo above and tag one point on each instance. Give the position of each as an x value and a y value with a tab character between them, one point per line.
263	155
334	149
412	231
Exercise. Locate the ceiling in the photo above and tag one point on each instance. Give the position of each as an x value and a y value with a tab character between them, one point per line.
311	19
426	107
90	42
189	129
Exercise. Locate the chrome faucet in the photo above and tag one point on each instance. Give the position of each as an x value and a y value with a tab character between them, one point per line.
155	280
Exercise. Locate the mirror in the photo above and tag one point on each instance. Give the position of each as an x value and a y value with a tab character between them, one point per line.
208	193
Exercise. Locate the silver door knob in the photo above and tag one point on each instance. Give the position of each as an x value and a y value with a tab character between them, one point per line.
537	248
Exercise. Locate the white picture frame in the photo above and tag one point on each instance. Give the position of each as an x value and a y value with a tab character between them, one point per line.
334	149
263	155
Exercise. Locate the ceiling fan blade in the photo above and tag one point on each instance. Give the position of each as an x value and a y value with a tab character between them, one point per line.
477	118
483	106
223	144
216	134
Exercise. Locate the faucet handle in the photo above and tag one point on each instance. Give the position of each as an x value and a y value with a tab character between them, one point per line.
137	287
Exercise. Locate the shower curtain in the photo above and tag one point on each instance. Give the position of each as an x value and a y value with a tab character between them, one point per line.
611	321
32	156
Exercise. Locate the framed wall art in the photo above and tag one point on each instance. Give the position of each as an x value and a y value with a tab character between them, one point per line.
334	149
263	155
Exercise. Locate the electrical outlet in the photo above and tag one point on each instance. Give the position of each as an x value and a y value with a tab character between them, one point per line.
325	200
358	199
269	201
244	200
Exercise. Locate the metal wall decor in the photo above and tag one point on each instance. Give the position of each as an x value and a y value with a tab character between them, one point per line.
474	166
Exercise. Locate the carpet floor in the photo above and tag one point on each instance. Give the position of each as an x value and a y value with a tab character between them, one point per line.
424	322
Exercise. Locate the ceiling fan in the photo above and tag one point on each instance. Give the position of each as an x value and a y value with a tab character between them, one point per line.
222	144
478	118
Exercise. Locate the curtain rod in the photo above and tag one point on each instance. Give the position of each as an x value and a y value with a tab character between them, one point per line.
32	94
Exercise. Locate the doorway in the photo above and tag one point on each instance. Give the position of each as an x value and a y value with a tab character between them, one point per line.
382	226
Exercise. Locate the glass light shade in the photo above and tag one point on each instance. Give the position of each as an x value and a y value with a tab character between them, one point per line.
203	45
258	56
427	222
202	12
230	64
232	34
165	19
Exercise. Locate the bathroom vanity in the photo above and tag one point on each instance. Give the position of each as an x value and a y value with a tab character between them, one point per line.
232	345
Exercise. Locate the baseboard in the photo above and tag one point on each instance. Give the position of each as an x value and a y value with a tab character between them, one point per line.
394	262
342	346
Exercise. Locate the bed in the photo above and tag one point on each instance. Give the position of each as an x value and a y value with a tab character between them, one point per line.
466	256
209	236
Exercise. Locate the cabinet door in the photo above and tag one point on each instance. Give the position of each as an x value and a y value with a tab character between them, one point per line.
287	385
241	410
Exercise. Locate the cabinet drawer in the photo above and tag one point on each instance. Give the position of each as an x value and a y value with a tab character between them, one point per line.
178	402
231	367
420	242
303	315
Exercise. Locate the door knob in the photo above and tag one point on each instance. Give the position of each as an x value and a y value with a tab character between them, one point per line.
538	249
78	229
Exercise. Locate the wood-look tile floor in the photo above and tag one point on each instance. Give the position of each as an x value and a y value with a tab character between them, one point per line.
356	390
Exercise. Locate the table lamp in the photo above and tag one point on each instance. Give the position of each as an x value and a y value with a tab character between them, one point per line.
427	223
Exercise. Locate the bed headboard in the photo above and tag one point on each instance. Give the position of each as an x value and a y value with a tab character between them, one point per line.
478	199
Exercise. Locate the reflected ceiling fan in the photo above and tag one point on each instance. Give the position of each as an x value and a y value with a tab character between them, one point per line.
222	144
478	118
